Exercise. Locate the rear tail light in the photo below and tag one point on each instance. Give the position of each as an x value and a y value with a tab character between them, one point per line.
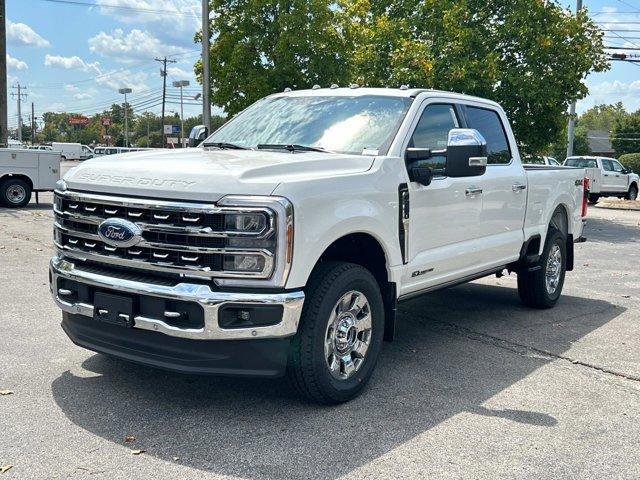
585	197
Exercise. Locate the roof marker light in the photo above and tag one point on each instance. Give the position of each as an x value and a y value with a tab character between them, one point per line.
287	90
404	87
315	87
334	86
354	85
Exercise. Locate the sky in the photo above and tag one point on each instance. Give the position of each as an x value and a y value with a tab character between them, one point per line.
72	56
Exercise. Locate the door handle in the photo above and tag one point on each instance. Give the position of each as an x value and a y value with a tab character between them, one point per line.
517	187
473	191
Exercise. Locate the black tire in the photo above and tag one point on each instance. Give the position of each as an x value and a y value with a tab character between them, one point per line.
593	199
632	194
62	158
15	193
308	369
532	286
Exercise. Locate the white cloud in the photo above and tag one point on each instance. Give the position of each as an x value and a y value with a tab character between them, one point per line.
117	79
82	96
179	74
71	63
130	47
22	34
15	64
175	19
607	92
71	88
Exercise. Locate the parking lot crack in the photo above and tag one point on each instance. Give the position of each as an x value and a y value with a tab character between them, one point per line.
522	349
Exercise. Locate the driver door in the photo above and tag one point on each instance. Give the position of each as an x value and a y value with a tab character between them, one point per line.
444	222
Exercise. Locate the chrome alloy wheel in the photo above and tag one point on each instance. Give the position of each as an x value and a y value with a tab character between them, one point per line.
16	193
554	269
348	335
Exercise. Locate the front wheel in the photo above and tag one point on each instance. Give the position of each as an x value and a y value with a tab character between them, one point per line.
632	194
593	199
340	335
15	193
542	288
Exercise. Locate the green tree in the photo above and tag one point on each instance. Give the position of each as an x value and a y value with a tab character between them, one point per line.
625	135
528	55
602	117
558	149
264	46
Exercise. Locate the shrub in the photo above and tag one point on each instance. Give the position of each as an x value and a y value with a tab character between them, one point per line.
632	161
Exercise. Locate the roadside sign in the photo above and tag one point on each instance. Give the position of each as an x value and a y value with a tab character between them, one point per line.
106	121
78	120
171	129
172	140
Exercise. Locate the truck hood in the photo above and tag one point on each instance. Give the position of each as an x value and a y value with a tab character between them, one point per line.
206	175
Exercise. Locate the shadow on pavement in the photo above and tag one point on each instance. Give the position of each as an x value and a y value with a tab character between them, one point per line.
454	350
603	230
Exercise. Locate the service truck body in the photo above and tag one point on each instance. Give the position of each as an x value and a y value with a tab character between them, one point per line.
23	171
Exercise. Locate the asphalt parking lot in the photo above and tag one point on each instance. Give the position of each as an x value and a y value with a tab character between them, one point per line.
475	386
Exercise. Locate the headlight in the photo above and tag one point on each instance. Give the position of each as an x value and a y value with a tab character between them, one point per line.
245	222
259	241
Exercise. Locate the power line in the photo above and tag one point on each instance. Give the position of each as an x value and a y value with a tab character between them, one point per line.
78	3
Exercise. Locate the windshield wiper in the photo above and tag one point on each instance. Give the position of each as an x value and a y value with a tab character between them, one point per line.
224	146
291	147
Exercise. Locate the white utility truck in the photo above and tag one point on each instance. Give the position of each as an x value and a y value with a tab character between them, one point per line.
284	242
72	151
23	171
607	177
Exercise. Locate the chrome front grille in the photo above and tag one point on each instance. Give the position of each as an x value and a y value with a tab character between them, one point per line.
177	237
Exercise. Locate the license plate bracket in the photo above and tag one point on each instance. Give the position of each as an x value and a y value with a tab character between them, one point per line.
113	309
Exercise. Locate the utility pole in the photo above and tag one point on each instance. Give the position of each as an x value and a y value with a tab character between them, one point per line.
33	124
4	132
19	95
179	84
163	72
126	116
206	88
572	110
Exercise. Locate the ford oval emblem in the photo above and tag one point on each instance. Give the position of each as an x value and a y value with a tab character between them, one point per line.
119	233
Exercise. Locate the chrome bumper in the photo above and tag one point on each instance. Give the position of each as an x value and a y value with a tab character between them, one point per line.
211	301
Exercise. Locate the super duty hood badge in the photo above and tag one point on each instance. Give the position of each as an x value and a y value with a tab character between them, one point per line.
134	181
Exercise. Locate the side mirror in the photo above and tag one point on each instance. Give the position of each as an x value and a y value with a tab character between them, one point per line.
466	153
420	174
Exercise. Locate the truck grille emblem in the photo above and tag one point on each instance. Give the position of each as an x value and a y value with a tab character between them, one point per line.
119	233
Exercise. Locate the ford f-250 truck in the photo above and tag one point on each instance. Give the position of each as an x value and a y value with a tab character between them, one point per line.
283	244
607	177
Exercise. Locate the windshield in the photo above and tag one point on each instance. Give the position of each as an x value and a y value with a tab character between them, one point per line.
581	162
335	123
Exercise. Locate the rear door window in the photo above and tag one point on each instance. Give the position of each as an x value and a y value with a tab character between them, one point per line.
607	165
489	124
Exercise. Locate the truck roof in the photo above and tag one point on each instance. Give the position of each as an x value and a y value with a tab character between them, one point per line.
393	92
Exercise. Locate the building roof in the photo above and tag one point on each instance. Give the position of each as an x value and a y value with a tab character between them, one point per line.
599	141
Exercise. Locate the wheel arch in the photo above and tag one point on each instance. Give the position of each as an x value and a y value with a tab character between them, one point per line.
21	176
364	249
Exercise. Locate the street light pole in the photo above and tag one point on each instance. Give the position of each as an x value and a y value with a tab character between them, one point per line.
126	118
572	110
206	101
179	84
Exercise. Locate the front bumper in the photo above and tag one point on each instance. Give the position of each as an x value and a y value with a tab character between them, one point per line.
210	301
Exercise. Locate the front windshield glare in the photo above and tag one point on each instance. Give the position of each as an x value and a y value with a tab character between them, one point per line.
334	123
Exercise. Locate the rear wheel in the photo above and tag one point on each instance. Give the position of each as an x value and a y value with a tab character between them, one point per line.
593	198
632	194
542	288
15	193
340	336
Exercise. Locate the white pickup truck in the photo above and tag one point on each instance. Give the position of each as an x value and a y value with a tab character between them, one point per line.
283	244
607	177
23	171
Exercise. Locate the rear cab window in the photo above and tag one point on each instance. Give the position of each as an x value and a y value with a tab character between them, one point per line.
489	124
578	162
